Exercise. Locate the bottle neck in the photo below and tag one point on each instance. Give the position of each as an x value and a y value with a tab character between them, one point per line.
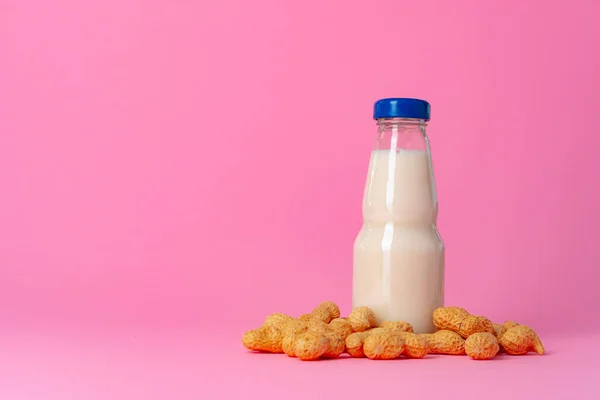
401	134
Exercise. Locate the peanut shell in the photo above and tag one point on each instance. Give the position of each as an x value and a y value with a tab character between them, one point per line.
354	344
482	346
415	346
333	309
266	339
316	325
473	324
521	339
287	345
335	345
383	346
305	317
449	318
399	326
444	342
341	327
277	320
310	346
294	327
499	330
509	324
361	319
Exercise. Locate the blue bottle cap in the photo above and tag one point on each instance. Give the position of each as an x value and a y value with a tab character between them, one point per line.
402	108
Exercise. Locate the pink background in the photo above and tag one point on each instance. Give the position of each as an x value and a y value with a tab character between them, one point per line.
173	171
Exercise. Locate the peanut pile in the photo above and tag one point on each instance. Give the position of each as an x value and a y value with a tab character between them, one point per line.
324	334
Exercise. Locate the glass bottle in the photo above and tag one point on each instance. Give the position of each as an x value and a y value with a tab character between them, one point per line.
398	253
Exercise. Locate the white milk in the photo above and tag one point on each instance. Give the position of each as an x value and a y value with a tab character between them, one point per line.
398	254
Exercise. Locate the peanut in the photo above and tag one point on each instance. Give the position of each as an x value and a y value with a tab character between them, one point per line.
305	317
361	319
521	339
444	342
354	344
482	346
252	340
318	326
383	346
325	312
294	327
509	324
449	318
320	314
335	345
266	339
269	337
339	320
377	330
310	346
277	320
472	324
333	308
399	326
341	327
415	346
288	344
499	330
458	320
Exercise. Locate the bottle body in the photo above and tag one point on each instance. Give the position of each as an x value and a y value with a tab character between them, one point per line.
399	254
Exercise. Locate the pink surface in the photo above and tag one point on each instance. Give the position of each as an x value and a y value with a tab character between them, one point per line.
180	366
137	198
